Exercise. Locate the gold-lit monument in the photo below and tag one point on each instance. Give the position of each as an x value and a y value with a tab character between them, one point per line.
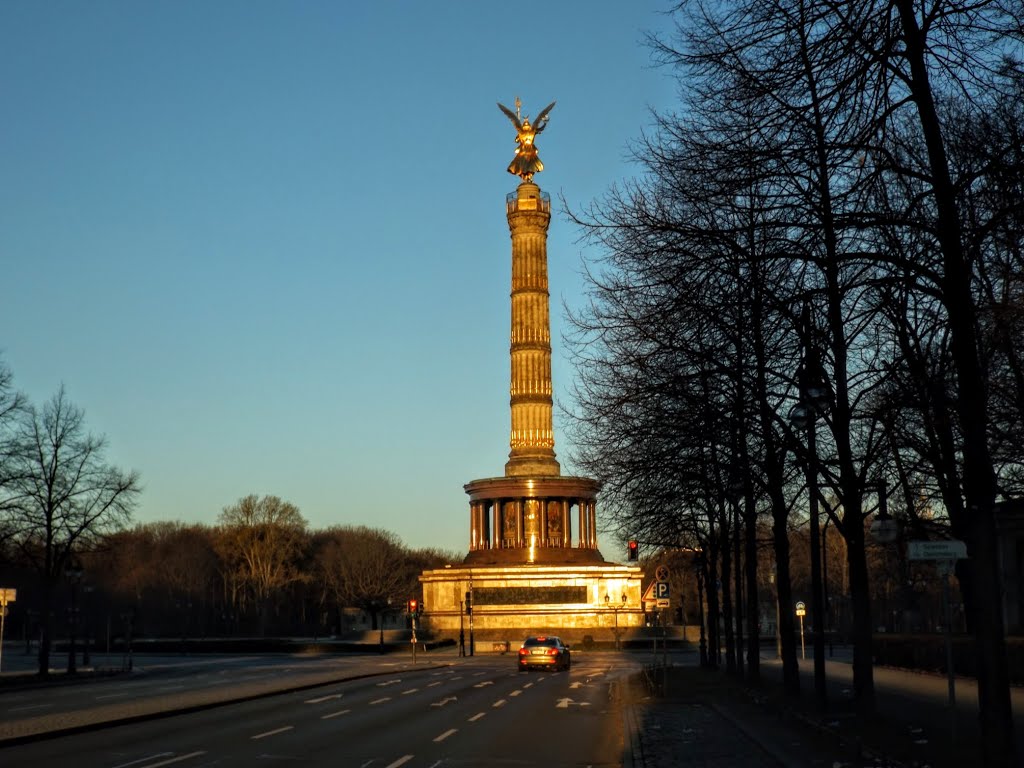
525	571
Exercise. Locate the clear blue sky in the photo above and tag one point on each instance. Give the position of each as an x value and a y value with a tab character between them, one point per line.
263	244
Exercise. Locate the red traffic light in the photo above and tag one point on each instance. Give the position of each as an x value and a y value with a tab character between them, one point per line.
633	549
412	606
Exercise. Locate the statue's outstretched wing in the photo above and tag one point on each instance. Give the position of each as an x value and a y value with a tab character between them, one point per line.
542	118
511	116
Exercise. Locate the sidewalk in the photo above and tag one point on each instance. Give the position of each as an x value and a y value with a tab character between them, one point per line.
695	709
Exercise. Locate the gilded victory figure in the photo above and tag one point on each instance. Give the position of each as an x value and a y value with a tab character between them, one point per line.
526	162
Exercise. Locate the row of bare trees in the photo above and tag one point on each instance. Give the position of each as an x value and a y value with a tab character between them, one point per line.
58	495
831	222
259	570
66	545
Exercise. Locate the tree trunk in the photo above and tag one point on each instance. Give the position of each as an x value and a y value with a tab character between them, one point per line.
995	709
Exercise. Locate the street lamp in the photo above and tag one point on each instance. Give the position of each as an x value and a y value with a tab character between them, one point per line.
73	571
804	415
615	610
698	566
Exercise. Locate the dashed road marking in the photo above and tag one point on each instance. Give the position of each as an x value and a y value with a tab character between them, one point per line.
431	685
477	716
515	693
173	760
339	713
323	698
144	759
484	684
411	690
272	733
389	682
446	734
499	703
380	701
400	761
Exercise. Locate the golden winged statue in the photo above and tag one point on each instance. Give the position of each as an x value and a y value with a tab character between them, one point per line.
526	162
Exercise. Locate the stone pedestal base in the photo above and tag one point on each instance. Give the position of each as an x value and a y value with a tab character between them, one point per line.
512	602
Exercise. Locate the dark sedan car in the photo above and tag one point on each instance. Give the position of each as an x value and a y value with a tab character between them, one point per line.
544	651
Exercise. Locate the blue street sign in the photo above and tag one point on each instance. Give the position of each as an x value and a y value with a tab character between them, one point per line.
661	590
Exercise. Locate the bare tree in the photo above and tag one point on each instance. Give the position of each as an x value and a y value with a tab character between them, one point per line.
365	568
261	542
63	498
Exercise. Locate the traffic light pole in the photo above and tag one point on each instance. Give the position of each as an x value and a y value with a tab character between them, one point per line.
469	604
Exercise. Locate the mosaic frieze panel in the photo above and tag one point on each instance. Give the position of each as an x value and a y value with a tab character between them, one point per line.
529	595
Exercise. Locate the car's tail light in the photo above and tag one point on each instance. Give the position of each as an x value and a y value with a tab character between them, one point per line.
552	651
523	651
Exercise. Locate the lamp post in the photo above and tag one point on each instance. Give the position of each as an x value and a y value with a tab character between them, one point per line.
813	401
472	602
73	571
615	611
87	625
699	568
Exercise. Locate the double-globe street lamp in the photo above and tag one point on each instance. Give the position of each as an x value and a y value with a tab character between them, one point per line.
804	415
615	609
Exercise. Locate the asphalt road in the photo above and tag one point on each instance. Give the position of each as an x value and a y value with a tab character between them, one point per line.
478	711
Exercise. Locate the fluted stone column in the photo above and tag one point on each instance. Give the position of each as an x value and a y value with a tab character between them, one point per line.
532	439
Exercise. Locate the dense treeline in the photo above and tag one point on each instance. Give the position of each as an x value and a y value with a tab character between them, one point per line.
66	545
812	299
266	575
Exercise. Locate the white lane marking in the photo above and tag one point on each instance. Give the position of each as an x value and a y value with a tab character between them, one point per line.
446	734
484	684
144	759
528	685
399	761
26	709
389	682
111	696
175	759
499	703
323	698
335	714
436	764
576	685
479	674
444	701
380	701
457	678
411	690
271	733
515	693
431	685
477	716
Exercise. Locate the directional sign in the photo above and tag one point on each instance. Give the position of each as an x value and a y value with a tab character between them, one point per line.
661	591
936	550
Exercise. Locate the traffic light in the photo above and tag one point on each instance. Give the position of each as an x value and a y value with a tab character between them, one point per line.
420	608
633	550
469	603
413	606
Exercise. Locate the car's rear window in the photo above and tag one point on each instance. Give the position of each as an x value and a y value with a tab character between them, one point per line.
532	641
